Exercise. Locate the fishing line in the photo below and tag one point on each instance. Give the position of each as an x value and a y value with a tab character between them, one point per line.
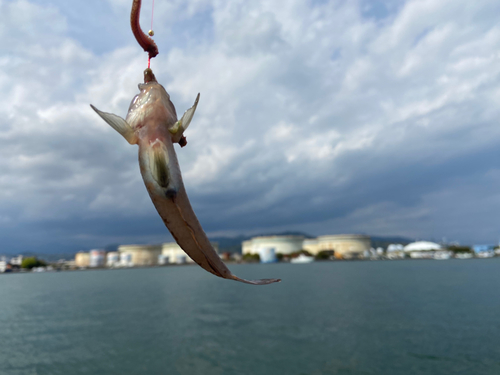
151	32
152	12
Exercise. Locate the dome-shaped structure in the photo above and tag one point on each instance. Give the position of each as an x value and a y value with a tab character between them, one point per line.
422	246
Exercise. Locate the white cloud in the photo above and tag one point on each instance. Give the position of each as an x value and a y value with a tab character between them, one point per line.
310	113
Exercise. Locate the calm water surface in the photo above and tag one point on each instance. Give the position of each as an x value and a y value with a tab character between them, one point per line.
400	317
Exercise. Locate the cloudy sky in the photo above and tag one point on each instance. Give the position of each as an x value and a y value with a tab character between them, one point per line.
379	117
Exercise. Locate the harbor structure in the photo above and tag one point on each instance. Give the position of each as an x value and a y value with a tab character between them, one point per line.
344	246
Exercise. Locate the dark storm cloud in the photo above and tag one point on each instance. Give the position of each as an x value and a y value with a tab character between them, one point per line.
326	116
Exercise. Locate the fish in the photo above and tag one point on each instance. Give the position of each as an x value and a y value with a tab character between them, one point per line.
152	124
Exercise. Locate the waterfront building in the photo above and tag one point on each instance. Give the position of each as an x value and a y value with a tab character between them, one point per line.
140	255
82	259
113	259
16	261
3	266
96	258
344	246
281	244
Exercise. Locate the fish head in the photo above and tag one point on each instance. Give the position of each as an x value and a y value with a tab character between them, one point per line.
152	105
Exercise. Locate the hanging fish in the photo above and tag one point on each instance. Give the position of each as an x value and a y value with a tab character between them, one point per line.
152	124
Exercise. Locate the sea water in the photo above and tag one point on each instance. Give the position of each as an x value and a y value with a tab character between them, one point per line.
359	317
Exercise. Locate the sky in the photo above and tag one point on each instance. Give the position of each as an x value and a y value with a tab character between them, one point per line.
378	117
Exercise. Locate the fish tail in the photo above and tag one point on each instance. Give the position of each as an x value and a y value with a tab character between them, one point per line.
256	282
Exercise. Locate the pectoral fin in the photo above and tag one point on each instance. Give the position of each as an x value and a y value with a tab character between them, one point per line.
183	123
119	124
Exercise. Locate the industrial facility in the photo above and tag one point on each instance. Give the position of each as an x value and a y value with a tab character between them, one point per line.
343	246
266	249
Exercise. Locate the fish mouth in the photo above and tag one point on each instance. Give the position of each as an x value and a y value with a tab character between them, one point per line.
149	76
